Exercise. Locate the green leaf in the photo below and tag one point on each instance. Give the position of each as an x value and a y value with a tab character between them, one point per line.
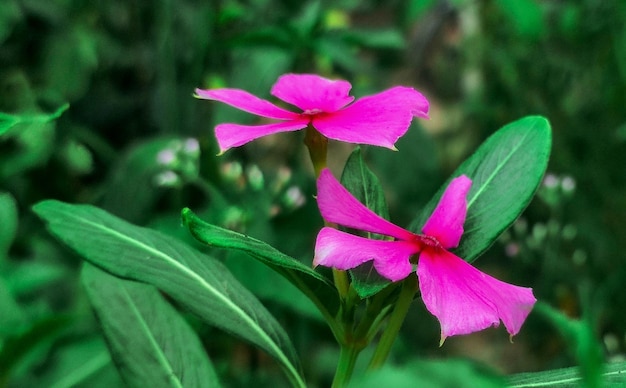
614	376
311	283
196	281
506	171
365	186
150	342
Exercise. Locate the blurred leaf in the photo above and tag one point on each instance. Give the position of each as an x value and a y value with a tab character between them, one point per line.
312	284
444	373
81	364
614	376
12	318
77	157
8	220
506	170
150	342
580	338
30	276
525	15
30	345
417	8
308	19
130	188
196	281
376	39
365	186
10	14
8	121
34	134
76	48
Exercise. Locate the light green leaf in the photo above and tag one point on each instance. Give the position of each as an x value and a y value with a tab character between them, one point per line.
614	376
506	171
8	121
151	344
196	281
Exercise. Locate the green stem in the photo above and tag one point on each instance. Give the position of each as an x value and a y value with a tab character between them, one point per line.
318	148
409	287
345	366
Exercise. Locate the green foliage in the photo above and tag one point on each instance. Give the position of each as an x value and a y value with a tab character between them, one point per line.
194	280
129	69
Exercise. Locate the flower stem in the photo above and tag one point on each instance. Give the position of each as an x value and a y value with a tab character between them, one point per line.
318	148
347	358
409	287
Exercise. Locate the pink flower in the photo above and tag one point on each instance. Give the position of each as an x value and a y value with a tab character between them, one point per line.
379	119
463	299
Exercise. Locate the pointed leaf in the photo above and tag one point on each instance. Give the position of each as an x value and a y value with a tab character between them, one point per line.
311	283
361	182
150	342
506	171
614	376
196	281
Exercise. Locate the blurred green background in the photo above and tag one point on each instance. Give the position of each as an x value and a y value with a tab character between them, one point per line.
135	142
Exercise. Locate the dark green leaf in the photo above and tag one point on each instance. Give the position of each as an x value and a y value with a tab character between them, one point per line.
311	283
8	220
364	185
506	170
150	342
197	281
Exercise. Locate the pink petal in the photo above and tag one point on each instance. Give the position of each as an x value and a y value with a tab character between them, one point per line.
235	135
247	102
337	205
380	119
340	250
446	222
466	300
312	93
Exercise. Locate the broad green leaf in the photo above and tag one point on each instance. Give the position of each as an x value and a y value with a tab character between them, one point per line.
8	220
196	281
614	376
311	283
506	171
364	185
150	342
431	373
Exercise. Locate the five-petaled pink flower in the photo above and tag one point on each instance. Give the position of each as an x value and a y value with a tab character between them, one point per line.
463	299
380	119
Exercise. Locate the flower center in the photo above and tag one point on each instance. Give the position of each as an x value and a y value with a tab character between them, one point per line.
312	112
429	241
